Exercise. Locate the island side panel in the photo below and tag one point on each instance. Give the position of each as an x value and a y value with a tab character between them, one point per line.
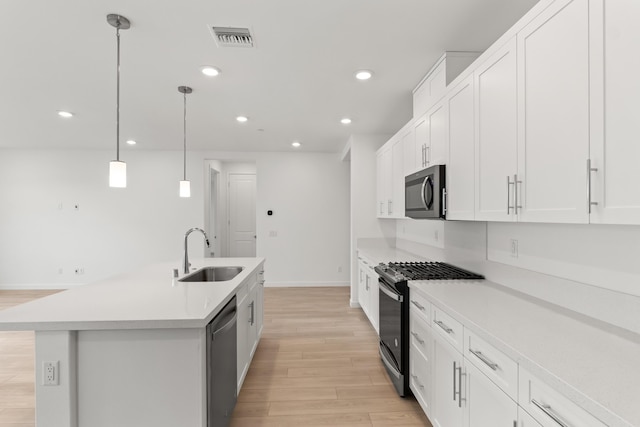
56	404
142	378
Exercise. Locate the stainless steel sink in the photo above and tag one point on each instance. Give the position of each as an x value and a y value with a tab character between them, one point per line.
212	274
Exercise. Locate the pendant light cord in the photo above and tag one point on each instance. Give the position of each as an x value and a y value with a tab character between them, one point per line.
118	97
185	136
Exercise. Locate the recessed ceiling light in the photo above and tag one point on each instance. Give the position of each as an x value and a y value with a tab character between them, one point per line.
363	75
210	71
131	142
295	144
241	119
345	121
65	114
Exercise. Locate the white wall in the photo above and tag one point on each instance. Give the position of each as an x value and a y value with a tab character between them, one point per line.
309	197
118	230
589	269
362	159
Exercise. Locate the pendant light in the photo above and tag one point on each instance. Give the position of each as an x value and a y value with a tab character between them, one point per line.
185	186
117	168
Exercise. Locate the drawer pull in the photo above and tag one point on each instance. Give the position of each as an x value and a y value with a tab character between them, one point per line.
443	326
550	413
484	359
415	378
421	307
417	337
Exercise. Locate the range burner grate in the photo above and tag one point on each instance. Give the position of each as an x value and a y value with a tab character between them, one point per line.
432	271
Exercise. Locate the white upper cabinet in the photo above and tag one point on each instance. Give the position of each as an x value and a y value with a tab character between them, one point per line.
495	82
421	135
615	143
553	115
390	179
397	180
438	119
461	165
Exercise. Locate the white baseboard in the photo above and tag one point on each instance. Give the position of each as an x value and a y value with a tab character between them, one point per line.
298	284
36	286
354	304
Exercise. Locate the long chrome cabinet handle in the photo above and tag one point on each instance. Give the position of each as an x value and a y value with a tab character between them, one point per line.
417	304
427	159
389	207
589	171
484	359
443	326
460	398
454	381
549	411
509	184
381	209
515	187
424	155
417	337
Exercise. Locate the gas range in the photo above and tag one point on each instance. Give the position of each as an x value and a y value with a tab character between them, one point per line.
396	272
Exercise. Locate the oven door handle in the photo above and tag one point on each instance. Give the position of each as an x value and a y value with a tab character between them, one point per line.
383	355
389	292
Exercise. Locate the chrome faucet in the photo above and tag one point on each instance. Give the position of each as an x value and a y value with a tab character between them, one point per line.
185	258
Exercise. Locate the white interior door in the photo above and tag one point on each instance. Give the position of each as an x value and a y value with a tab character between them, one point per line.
242	215
214	203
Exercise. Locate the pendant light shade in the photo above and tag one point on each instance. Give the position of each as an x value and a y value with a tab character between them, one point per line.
185	186
117	174
117	168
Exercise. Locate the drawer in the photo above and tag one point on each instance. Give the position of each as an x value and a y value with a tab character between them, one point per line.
498	367
420	334
419	379
447	327
420	305
549	407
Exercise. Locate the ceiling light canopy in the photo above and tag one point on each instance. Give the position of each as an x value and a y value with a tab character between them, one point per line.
363	74
65	114
210	71
345	121
242	119
131	142
118	169
295	144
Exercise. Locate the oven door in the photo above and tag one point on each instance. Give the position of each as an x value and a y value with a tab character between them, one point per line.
391	336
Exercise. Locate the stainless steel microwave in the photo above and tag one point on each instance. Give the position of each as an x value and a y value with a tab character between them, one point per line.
425	194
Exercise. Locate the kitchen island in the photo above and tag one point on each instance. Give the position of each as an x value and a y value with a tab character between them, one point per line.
131	350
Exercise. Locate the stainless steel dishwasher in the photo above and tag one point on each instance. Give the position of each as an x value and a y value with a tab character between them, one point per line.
221	366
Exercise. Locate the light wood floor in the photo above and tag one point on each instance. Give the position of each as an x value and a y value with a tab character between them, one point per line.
316	365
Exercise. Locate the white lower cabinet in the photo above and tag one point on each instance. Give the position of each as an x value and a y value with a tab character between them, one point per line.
368	291
487	405
526	420
448	397
420	353
249	300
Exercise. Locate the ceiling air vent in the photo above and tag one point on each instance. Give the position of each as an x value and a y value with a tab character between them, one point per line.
232	37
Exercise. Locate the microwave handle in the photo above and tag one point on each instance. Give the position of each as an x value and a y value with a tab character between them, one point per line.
426	181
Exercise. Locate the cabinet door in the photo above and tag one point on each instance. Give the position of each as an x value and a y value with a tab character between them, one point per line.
461	163
421	130
252	335
448	399
259	310
526	420
410	160
615	150
487	405
438	134
495	88
553	114
396	206
243	337
374	300
363	280
382	167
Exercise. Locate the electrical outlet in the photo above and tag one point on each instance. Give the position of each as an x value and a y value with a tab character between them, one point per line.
339	269
50	372
514	248
436	235
60	270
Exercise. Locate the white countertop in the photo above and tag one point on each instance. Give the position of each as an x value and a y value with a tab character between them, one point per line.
378	250
145	299
595	365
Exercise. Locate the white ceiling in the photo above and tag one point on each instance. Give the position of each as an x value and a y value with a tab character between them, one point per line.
295	84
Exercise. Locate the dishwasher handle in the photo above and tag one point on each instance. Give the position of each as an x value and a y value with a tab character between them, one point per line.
228	324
